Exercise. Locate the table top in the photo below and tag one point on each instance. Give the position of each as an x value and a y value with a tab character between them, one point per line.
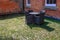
34	13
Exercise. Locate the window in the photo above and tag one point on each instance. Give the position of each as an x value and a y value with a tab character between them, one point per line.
50	2
28	3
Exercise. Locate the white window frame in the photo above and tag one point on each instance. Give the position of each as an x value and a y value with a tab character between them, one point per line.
28	4
49	4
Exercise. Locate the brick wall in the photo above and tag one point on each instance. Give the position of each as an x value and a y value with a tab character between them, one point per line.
36	5
8	6
54	13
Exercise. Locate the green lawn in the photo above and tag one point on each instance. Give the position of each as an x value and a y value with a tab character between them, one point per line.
13	27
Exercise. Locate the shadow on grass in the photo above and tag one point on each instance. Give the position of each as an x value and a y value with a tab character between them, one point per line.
44	26
8	16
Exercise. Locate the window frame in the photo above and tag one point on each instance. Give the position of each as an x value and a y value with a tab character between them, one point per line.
49	4
28	4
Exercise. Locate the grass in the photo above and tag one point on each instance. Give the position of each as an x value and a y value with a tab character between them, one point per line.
13	27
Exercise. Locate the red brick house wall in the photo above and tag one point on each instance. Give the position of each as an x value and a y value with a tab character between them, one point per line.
8	6
37	5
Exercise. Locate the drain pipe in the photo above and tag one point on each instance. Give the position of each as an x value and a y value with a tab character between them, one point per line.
21	5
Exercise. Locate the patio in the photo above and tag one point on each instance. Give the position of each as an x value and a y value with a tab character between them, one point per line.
13	27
